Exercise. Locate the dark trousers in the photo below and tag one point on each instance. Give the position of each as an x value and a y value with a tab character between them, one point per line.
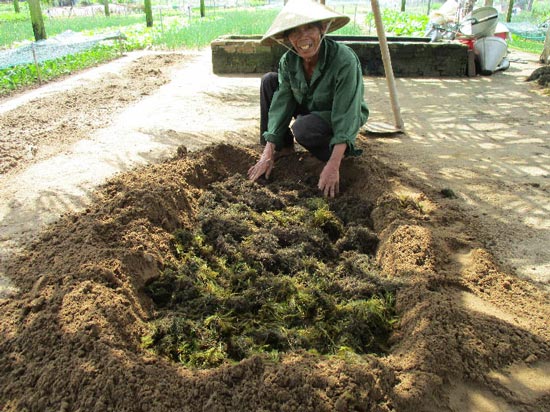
309	130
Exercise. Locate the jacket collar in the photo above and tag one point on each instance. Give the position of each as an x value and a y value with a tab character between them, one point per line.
321	62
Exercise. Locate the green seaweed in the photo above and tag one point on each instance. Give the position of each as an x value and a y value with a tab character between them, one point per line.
268	280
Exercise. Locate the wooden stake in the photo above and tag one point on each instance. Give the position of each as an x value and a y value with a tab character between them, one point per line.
386	59
36	64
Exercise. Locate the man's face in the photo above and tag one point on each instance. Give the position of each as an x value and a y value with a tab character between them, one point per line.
306	40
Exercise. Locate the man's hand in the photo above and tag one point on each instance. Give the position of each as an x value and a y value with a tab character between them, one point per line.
264	166
329	181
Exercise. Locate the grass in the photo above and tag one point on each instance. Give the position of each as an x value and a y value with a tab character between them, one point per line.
409	202
530	46
540	13
198	33
262	275
21	30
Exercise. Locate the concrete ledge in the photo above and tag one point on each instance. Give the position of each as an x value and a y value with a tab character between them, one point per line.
411	56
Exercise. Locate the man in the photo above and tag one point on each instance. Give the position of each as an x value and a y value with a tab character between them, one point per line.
319	84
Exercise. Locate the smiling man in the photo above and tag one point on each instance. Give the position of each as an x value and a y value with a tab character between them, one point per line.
319	84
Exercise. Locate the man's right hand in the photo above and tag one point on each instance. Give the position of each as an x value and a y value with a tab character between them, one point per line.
264	166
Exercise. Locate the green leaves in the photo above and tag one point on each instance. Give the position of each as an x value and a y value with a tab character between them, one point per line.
401	24
16	77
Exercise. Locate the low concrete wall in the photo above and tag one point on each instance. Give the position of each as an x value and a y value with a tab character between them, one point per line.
411	57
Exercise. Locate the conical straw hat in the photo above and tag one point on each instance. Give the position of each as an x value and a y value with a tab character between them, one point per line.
298	12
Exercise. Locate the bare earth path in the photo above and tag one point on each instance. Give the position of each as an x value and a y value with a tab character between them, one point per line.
486	139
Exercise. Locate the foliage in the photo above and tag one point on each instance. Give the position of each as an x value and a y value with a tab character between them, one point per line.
197	33
10	16
541	11
520	43
22	30
259	274
13	78
401	24
351	29
539	17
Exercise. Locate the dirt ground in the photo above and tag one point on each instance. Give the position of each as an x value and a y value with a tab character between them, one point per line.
93	187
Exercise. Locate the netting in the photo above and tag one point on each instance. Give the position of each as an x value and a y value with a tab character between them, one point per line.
61	45
528	31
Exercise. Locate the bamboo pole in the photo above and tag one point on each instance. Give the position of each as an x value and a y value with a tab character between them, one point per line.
386	59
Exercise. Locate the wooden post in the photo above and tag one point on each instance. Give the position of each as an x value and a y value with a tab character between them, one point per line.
36	64
386	59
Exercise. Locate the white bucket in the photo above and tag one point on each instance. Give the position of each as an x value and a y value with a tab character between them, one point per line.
502	31
480	22
490	52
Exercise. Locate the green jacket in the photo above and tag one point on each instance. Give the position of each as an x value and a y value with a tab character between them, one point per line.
335	93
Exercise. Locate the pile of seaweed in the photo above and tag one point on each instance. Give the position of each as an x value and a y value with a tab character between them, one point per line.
271	269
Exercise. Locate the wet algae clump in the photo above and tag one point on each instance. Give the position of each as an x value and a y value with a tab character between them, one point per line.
270	270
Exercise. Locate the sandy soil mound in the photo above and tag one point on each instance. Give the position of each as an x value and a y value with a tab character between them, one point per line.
72	339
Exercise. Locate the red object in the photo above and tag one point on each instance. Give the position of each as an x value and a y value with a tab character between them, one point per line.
468	42
503	35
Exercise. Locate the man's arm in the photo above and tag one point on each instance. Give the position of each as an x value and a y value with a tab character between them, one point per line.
282	107
349	110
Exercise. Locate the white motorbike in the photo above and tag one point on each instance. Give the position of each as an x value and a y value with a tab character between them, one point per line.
482	32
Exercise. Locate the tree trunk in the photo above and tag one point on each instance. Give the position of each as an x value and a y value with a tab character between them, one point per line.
510	9
545	56
106	8
403	4
530	5
148	13
16	7
203	11
488	3
37	20
466	7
